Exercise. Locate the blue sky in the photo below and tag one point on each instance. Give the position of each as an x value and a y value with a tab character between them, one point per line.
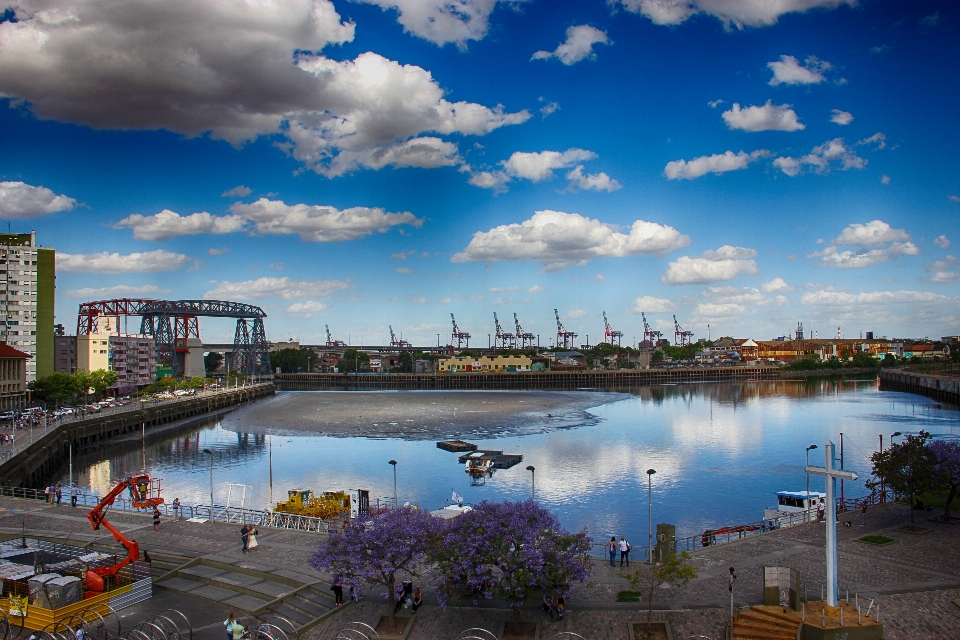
739	163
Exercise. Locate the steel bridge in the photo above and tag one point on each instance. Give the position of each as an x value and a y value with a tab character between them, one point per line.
172	322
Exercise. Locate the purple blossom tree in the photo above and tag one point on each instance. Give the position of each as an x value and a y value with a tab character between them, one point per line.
508	550
946	469
397	540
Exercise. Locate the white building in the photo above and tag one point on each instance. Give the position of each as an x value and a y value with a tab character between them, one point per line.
26	300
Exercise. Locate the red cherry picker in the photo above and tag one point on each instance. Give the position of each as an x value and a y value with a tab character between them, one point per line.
144	493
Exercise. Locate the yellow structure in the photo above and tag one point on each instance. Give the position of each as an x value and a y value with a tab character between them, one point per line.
485	364
302	502
41	618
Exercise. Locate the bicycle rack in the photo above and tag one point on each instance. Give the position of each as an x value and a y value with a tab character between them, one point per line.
566	635
476	633
356	631
283	627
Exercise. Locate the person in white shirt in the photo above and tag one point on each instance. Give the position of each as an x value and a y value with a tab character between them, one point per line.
624	551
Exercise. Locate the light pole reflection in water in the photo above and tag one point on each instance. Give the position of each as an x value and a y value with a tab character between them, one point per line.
210	453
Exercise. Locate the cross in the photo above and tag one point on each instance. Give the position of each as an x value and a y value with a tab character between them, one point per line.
830	476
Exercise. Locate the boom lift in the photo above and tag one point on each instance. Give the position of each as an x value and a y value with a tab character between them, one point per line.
144	493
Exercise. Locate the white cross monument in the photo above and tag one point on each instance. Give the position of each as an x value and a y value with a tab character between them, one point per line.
831	475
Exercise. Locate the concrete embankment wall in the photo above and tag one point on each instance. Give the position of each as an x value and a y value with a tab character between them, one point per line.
533	380
939	386
33	466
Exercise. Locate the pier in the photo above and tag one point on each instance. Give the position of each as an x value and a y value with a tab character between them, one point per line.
943	386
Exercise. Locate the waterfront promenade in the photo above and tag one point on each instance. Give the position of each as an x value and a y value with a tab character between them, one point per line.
915	580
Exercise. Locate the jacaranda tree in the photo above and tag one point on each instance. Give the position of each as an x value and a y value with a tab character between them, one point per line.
508	550
373	552
906	467
946	470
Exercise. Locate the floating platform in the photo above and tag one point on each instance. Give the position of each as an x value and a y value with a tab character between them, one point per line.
500	459
456	446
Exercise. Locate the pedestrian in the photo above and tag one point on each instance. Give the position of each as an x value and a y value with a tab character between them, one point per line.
624	551
337	588
156	519
49	491
263	631
821	511
228	624
147	558
406	590
417	600
176	509
548	604
863	513
354	593
561	602
74	494
244	537
59	494
252	539
612	550
238	631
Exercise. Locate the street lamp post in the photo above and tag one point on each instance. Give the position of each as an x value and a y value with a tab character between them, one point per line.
730	581
883	488
393	463
533	483
650	473
70	467
809	449
210	453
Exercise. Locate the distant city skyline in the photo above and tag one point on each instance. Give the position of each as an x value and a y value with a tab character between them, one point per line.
745	165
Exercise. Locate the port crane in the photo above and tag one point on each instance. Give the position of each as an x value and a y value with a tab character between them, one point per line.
524	339
144	494
650	337
399	343
501	339
609	335
565	339
331	342
459	339
681	338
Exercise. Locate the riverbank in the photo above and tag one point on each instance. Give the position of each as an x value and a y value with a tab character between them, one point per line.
420	415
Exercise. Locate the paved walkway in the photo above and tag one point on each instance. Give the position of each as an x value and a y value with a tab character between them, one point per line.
915	580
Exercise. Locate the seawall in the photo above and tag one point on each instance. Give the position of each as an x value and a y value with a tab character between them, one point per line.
533	380
32	466
939	386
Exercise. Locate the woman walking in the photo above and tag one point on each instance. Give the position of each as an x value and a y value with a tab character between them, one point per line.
337	589
624	551
252	539
156	519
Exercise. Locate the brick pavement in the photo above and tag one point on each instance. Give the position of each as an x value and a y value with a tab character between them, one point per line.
915	580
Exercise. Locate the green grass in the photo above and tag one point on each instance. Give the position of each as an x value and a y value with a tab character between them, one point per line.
877	539
628	596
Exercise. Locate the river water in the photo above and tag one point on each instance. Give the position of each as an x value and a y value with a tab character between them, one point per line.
720	451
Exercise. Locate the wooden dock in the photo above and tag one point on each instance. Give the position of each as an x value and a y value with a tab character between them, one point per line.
456	446
500	459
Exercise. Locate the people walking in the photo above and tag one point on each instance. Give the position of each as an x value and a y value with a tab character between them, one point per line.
612	550
624	551
156	519
244	537
59	494
863	513
228	624
337	588
252	538
561	603
176	509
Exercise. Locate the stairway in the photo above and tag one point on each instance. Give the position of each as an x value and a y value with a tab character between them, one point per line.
766	623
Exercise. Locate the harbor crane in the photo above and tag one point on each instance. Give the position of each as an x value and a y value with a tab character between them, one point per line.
565	338
399	343
523	339
681	338
459	339
609	335
331	342
650	337
502	340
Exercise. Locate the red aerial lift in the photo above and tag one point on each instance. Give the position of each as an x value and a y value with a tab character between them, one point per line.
144	493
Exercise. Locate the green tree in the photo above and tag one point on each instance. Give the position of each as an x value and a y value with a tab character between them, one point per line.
864	360
657	357
57	387
353	360
100	380
196	382
212	361
676	571
907	467
405	362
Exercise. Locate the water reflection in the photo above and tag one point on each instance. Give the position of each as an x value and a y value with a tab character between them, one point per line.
720	451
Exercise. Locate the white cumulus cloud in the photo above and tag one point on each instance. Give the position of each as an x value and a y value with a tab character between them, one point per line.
116	291
841	117
826	298
19	200
578	45
788	70
558	240
105	262
308	307
733	13
872	234
717	164
942	241
65	62
590	181
442	21
821	159
775	285
766	117
726	263
537	166
876	242
944	270
650	304
169	224
318	223
237	192
285	288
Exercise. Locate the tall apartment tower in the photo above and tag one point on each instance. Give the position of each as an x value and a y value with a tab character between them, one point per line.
27	284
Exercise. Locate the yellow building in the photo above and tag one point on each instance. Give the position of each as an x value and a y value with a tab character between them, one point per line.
484	364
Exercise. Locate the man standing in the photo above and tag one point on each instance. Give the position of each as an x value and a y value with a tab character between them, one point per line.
821	511
74	494
863	513
59	494
176	509
624	551
244	537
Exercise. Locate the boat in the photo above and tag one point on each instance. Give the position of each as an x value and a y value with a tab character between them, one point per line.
304	503
479	465
454	507
791	507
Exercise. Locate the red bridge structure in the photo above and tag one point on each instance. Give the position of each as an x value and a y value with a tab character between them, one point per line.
171	323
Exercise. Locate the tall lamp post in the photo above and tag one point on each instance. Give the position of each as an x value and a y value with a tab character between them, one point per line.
809	449
533	483
393	463
650	473
210	453
70	476
883	488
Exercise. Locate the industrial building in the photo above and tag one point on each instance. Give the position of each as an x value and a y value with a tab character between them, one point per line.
498	364
27	281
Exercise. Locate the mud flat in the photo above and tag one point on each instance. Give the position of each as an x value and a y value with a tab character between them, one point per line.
419	415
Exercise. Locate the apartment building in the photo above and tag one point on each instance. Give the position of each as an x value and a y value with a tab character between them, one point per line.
27	282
